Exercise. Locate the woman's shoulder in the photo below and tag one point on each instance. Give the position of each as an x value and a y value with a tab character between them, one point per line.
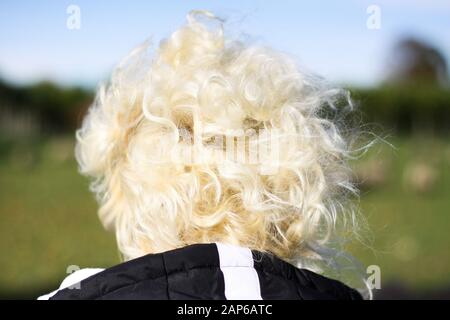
72	279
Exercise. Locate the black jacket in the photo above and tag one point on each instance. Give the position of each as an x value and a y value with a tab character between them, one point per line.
208	271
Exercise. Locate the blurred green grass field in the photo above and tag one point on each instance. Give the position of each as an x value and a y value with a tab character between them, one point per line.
48	217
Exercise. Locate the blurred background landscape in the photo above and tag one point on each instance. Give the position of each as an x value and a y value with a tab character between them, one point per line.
397	73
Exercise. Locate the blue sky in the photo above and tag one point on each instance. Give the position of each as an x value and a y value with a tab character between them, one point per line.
328	37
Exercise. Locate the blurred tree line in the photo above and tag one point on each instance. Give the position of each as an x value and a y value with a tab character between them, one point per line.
415	96
55	109
404	109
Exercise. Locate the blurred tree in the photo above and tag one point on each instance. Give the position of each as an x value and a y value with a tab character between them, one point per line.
56	109
416	62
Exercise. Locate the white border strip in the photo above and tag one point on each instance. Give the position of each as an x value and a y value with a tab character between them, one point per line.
241	278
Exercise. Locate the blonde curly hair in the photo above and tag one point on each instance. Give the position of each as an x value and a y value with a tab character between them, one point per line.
199	84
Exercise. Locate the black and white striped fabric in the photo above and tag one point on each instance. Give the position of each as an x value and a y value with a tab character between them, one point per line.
202	271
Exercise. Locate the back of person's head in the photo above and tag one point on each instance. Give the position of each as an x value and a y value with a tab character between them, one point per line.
210	139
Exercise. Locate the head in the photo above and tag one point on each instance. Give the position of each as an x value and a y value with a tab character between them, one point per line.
210	139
